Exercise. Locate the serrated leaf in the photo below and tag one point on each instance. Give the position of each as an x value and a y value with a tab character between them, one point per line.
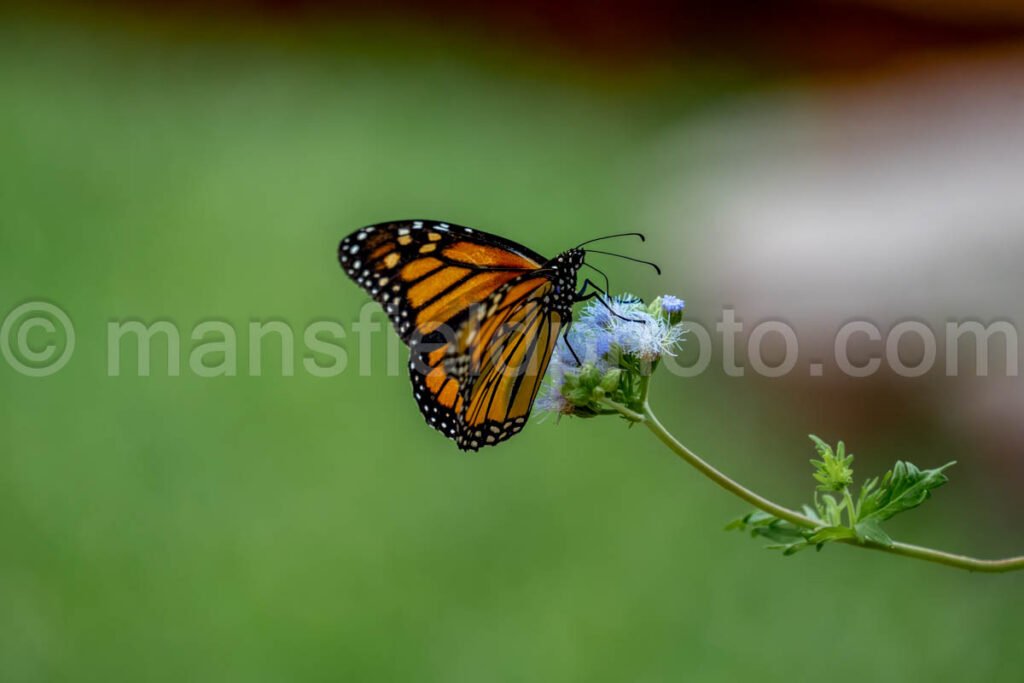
903	488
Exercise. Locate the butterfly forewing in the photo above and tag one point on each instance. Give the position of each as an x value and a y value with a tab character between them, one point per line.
424	273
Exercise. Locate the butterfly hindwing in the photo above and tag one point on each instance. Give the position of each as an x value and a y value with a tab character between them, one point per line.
499	358
438	394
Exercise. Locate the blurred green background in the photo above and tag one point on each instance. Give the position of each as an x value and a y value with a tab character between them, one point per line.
299	528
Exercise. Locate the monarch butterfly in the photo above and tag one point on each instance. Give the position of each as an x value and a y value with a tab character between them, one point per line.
480	314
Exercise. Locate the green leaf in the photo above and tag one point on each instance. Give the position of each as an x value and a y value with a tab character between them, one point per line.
778	531
870	530
826	534
790	548
785	536
736	525
830	511
810	513
759	517
902	488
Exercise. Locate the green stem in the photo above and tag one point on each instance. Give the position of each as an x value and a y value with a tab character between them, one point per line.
652	423
650	420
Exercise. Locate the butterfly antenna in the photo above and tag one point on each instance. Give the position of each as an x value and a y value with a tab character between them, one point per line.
628	258
608	237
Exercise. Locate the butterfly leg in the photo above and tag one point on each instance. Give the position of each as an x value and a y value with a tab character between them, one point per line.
568	345
600	294
607	282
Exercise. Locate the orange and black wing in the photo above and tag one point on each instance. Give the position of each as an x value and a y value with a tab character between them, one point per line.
429	276
427	273
499	358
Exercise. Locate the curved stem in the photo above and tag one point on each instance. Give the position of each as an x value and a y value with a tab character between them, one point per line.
733	487
650	420
973	564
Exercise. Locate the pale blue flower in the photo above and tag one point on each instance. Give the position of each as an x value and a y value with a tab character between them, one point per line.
670	304
606	313
648	340
590	344
617	342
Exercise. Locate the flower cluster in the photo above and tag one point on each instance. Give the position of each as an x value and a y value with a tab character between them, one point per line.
609	354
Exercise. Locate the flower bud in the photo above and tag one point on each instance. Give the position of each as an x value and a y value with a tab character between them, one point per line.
610	381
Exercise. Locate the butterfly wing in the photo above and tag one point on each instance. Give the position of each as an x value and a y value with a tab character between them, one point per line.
427	273
438	393
499	358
